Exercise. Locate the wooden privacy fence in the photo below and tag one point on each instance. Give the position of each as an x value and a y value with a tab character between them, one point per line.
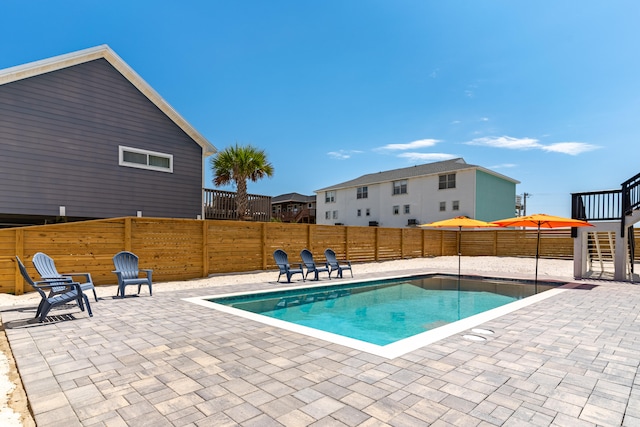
180	249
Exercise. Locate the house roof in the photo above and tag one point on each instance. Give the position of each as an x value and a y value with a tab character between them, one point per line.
445	166
293	197
55	63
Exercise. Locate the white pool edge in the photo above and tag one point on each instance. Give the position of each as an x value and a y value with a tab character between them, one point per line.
389	351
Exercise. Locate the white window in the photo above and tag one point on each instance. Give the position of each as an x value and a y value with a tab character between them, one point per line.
359	212
362	192
330	197
407	209
455	205
396	210
327	215
400	187
443	206
447	181
335	214
145	159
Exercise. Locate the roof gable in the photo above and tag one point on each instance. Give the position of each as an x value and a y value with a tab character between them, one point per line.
413	172
36	68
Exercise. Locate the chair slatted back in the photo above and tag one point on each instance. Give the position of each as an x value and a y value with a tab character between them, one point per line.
127	263
307	259
27	278
282	260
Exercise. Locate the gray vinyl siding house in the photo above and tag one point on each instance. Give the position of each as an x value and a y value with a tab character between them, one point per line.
84	136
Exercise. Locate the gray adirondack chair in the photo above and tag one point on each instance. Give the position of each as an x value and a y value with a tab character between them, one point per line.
126	264
68	291
310	264
282	260
47	269
335	265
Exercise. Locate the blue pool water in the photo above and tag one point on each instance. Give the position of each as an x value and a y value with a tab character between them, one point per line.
383	312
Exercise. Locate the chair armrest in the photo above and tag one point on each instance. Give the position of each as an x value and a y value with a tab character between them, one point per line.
56	280
87	276
50	284
149	273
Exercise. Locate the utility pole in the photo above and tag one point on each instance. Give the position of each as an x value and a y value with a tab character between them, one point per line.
524	202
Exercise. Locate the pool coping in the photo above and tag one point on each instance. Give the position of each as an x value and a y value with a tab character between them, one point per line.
392	350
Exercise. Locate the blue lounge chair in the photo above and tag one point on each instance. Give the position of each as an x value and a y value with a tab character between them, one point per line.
307	259
128	273
47	270
68	291
334	265
282	260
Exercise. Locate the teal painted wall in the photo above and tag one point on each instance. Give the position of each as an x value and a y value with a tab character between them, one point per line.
495	197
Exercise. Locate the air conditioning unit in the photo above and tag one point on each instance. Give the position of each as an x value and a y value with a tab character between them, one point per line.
373	223
412	221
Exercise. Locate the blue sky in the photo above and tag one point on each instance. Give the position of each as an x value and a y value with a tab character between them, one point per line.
545	92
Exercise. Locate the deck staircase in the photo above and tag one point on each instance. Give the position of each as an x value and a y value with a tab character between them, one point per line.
611	244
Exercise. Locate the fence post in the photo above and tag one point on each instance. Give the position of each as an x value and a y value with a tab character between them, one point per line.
309	238
402	243
205	248
19	281
127	234
422	233
377	249
263	244
346	242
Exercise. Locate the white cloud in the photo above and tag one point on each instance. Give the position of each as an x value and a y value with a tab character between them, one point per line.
422	157
506	142
572	148
342	154
484	119
410	145
503	166
455	122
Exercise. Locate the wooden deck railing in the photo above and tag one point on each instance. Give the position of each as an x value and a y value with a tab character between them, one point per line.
220	204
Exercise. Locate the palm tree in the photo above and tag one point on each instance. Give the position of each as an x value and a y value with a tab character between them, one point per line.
238	164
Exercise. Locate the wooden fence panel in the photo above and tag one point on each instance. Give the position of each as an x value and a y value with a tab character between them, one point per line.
171	247
478	242
362	244
7	261
178	249
327	236
389	241
291	238
411	243
79	247
234	246
432	242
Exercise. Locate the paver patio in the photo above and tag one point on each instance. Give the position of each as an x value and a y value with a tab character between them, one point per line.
570	360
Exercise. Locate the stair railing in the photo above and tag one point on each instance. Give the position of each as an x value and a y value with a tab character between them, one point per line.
630	199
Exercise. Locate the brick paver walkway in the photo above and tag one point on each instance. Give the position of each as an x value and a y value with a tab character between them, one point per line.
570	360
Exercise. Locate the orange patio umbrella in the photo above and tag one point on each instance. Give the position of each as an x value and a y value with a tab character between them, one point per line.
460	222
541	221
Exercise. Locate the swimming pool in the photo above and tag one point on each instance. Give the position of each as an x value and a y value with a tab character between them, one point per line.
386	317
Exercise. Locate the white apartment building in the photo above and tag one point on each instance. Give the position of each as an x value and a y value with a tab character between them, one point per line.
418	194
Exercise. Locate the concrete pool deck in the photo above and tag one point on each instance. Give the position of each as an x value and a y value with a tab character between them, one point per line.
571	360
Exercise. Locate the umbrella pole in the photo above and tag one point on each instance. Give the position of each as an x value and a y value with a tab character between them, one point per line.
459	241
537	255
